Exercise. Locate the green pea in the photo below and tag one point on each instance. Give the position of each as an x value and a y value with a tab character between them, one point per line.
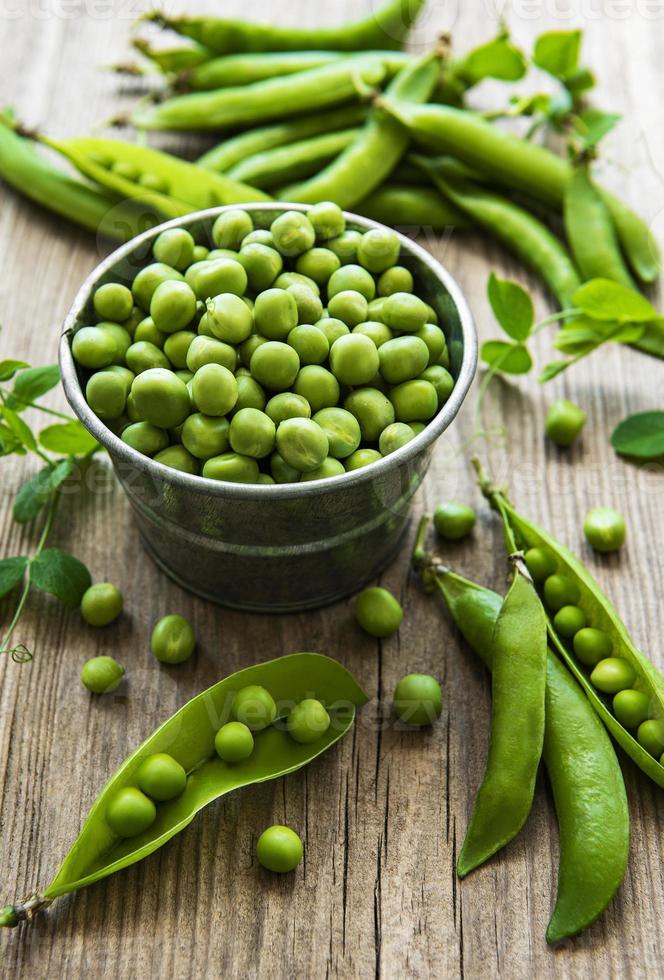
101	675
414	401
293	233
144	356
351	278
540	563
254	706
248	346
261	236
232	468
229	318
216	276
275	365
374	330
417	427
145	438
631	708
318	264
275	314
93	348
121	337
378	612
106	394
163	399
612	675
173	639
354	359
650	735
310	343
454	521
395	280
308	721
559	591
177	458
153	182
282	472
173	306
262	264
318	385
200	253
249	394
146	331
349	306
329	467
378	250
287	279
130	812
345	246
302	443
176	347
376	308
287	405
208	350
434	338
332	328
266	479
214	390
126	170
252	433
279	849
592	645
605	529
405	312
342	430
234	742
132	321
442	381
231	228
361	458
101	604
309	306
394	436
373	411
403	358
328	221
161	777
147	280
113	301
569	620
174	247
418	699
564	422
205	436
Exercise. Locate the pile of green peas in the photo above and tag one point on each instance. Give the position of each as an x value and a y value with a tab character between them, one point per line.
160	777
611	675
288	353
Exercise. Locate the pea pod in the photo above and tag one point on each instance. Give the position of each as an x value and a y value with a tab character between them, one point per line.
292	162
505	797
414	207
519	165
591	232
274	98
176	187
188	736
386	27
601	615
173	60
588	788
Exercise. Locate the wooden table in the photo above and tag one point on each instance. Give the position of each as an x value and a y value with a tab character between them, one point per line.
382	815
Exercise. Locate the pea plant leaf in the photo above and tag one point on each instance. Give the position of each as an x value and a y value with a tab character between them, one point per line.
583	335
11	573
9	368
640	436
512	307
20	429
553	369
10	443
498	58
557	53
68	439
37	491
31	384
60	574
505	357
591	126
602	299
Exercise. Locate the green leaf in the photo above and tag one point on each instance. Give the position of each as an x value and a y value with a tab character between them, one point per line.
21	429
9	368
592	125
508	358
582	80
640	436
37	491
557	52
498	58
583	334
60	574
603	299
553	369
11	573
32	384
9	443
68	439
512	307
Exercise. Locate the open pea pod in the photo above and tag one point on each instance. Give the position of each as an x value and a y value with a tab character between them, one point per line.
600	614
188	736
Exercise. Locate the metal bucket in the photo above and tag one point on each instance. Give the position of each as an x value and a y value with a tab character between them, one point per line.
284	547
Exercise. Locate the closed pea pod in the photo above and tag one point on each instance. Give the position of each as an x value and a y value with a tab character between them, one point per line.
403	205
293	162
189	738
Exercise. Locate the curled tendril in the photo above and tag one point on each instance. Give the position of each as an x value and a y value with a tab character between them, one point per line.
20	654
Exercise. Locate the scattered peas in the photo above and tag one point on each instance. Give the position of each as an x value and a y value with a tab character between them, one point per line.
378	612
173	639
564	422
234	742
279	849
454	521
101	604
418	699
605	529
101	675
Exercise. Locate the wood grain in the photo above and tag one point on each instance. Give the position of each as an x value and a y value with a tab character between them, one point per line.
382	815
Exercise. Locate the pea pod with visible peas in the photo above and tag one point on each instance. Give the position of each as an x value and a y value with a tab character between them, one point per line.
386	27
124	825
600	654
587	783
